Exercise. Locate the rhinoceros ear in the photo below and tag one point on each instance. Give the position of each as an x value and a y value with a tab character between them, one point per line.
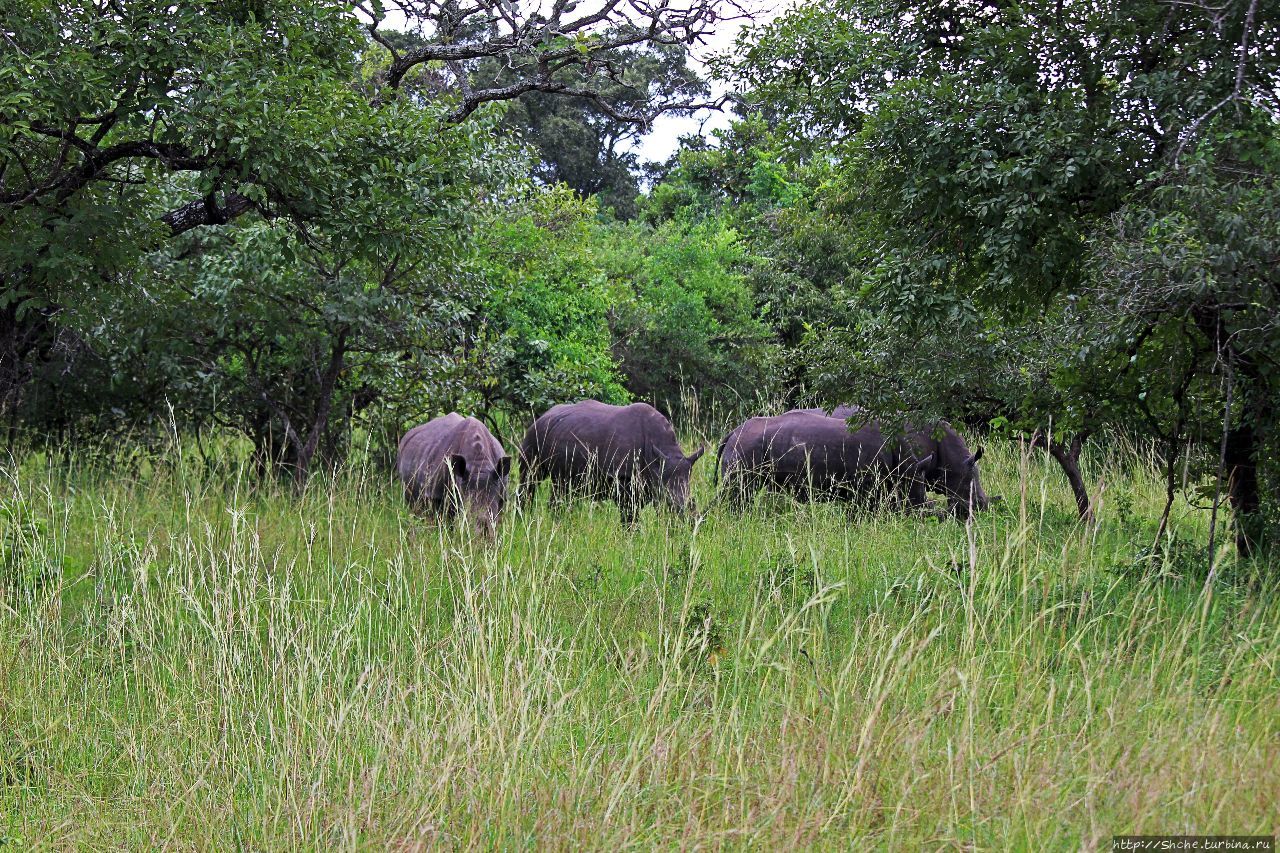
922	465
504	466
973	460
458	466
697	454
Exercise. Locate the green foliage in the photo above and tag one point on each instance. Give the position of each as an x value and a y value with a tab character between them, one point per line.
798	251
138	114
585	147
682	313
285	332
256	100
543	334
981	160
579	307
1191	271
981	157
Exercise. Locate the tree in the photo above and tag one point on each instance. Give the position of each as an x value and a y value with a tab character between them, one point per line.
683	316
1194	272
579	144
986	150
123	125
131	94
774	198
287	332
580	137
540	333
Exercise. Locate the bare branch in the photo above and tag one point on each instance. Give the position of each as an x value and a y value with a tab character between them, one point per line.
1236	91
541	46
643	118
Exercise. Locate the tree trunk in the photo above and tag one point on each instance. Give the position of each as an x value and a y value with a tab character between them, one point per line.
25	342
1170	489
324	406
1068	458
1243	447
205	211
1242	487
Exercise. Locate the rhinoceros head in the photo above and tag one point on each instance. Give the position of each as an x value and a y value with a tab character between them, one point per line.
963	486
483	488
676	473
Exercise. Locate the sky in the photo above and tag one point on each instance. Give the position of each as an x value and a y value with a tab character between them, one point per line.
662	141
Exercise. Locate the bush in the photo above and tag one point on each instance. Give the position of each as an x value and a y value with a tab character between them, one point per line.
683	315
544	334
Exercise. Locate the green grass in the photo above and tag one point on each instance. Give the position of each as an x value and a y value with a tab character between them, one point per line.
189	661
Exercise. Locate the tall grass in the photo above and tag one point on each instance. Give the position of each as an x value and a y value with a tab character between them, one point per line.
189	660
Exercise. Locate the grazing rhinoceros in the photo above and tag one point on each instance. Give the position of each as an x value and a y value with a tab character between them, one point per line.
453	464
628	454
755	456
810	455
842	411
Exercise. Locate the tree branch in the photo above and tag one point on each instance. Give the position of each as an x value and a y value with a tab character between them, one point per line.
1236	90
205	211
547	53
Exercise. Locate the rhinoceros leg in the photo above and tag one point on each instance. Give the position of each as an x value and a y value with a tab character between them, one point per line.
559	495
420	500
630	497
531	474
411	496
738	488
628	509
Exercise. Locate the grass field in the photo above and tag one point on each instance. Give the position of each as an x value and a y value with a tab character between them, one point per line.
190	661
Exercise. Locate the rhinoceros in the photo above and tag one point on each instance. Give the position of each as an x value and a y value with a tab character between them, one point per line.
628	454
951	469
453	464
756	455
843	411
811	455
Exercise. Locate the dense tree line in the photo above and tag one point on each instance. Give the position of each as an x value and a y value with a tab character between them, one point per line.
1060	216
296	221
287	218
